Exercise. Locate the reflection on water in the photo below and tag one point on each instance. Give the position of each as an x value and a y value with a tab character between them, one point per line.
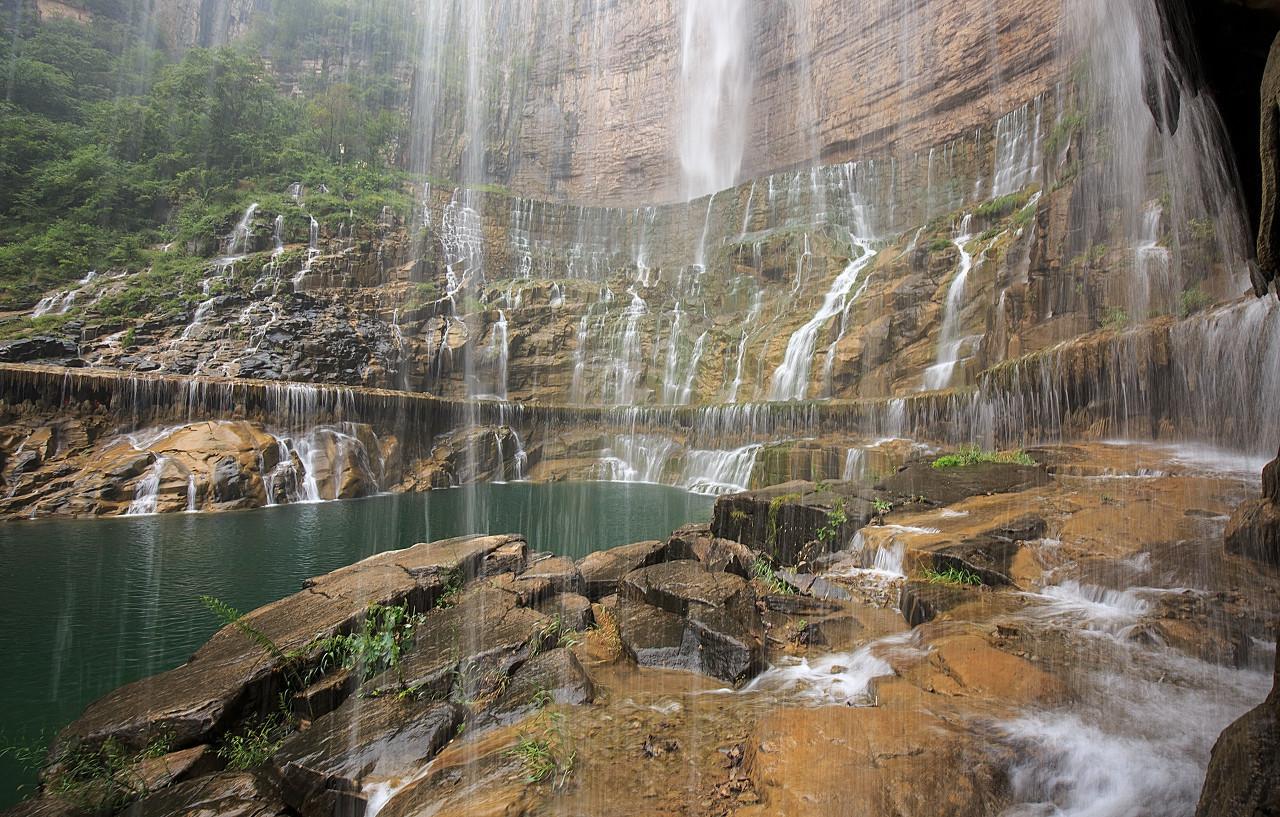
89	605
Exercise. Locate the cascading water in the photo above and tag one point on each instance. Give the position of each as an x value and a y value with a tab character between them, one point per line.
791	378
940	374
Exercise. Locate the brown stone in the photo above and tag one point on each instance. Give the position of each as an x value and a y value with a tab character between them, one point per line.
603	570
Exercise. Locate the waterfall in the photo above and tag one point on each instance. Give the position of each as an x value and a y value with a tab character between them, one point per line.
146	493
719	472
791	378
854	464
715	75
939	375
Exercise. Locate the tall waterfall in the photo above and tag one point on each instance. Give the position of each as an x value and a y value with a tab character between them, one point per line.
715	74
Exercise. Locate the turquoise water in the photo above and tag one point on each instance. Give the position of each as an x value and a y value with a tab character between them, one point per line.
88	605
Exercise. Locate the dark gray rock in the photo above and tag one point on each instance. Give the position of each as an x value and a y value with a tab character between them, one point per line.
39	349
326	765
696	619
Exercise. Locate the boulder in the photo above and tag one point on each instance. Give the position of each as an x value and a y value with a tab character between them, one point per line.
1244	768
603	570
679	615
321	770
232	676
1254	532
555	676
723	555
990	554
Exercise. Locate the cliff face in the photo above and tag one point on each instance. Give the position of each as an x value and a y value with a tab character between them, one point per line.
184	24
831	81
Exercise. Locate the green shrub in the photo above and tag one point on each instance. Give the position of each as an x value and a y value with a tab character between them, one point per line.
952	575
975	456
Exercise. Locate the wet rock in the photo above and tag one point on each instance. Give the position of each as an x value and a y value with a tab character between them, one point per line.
1244	768
722	555
158	772
228	794
509	558
324	695
43	348
793	521
572	610
1254	531
562	573
890	762
921	602
922	484
46	806
968	665
231	675
990	554
555	676
476	643
326	765
678	615
602	571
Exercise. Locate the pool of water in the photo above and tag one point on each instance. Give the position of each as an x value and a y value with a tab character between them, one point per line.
88	605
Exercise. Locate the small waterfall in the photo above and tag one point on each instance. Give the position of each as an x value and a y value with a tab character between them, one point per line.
939	375
854	464
791	378
757	304
146	494
191	493
1154	288
1018	145
719	472
60	303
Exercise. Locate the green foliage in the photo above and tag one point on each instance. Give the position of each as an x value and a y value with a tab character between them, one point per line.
975	456
881	506
1063	131
762	570
108	147
1192	300
1115	319
940	245
101	778
452	590
253	745
952	575
385	633
545	751
1003	205
837	518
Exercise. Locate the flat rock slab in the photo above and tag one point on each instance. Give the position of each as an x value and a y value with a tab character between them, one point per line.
572	610
947	486
602	571
886	760
232	675
384	737
229	794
